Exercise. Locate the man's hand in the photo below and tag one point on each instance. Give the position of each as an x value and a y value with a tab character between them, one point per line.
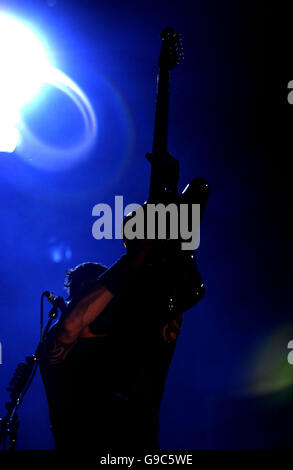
164	175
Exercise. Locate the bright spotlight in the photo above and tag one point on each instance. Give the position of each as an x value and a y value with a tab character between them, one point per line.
23	69
23	60
9	138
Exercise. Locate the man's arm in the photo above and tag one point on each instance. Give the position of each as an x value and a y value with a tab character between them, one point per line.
118	277
64	334
84	313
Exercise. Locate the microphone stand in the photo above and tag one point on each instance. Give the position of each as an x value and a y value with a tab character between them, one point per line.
18	386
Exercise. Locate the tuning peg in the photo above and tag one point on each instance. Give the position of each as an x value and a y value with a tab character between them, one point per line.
167	32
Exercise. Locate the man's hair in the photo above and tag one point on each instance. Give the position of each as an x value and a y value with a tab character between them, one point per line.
79	280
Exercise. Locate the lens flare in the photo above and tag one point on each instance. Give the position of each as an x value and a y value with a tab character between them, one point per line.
269	371
25	68
38	153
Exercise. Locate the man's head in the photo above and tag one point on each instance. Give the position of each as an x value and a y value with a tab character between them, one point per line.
79	280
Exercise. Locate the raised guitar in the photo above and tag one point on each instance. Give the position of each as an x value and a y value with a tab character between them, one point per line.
185	285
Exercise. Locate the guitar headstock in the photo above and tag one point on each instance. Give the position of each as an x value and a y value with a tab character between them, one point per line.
172	50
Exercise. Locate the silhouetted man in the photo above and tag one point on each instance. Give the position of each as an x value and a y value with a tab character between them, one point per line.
105	362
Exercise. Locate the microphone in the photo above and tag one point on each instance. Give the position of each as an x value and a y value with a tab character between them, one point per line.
56	301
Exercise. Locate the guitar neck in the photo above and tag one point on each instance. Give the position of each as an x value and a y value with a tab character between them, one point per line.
160	140
164	176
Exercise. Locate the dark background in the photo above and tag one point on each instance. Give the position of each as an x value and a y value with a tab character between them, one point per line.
230	385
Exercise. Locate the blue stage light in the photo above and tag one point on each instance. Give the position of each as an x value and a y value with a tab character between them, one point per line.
59	251
24	67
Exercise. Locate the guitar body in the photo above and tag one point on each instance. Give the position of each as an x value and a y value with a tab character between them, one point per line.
188	286
174	268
